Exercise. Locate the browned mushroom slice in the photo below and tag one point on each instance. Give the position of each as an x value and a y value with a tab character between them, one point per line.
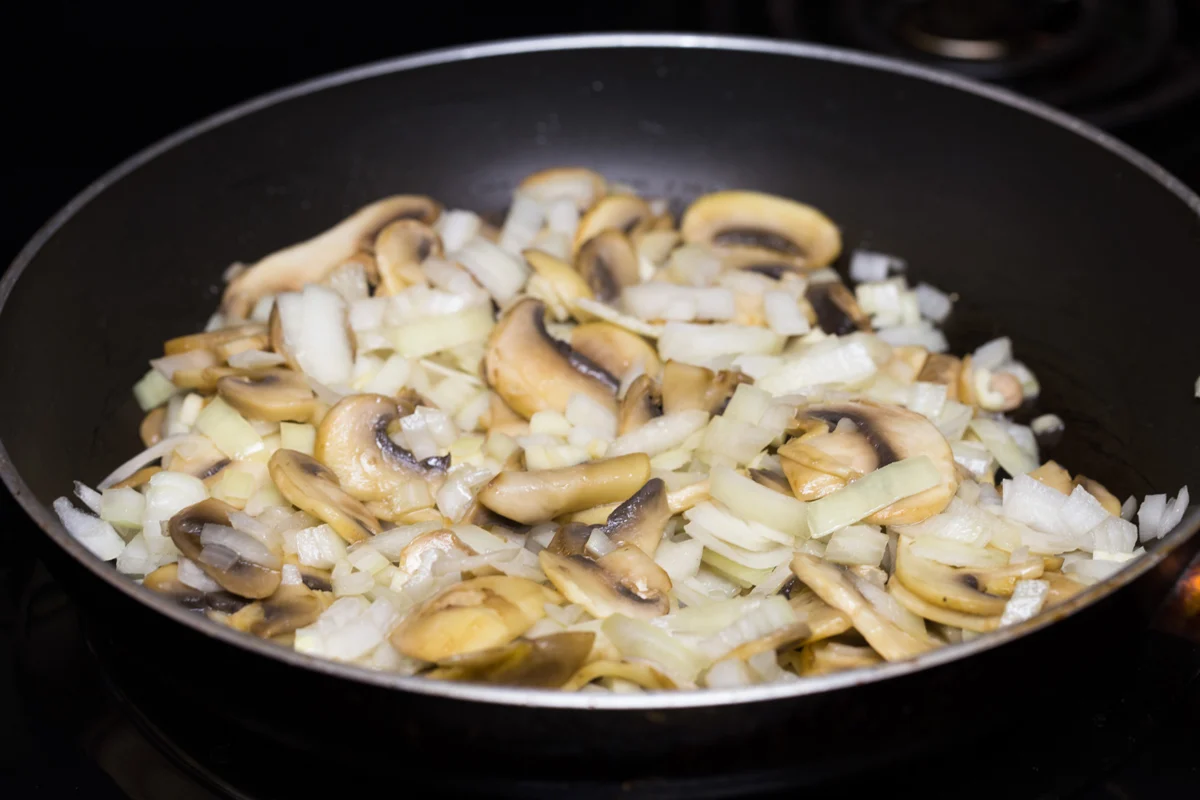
982	591
638	673
642	402
353	441
289	608
935	613
618	212
210	340
291	268
204	380
823	620
165	580
240	564
546	662
1052	474
624	581
836	309
882	435
614	348
770	263
571	539
822	658
735	219
473	615
562	280
541	495
151	429
686	387
578	184
311	486
274	395
943	369
1061	587
199	458
831	584
608	263
641	520
533	372
399	250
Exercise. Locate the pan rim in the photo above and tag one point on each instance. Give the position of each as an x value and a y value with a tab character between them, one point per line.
701	698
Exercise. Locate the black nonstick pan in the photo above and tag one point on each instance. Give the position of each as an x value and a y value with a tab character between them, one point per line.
1080	250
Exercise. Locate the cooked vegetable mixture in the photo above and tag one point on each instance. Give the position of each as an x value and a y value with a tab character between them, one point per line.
599	450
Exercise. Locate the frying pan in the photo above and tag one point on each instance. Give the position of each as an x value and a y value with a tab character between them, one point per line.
1079	249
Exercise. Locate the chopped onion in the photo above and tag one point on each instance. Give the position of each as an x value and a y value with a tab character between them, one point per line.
1027	600
637	639
498	271
767	559
153	390
919	334
92	532
1112	534
889	607
167	494
1046	424
667	301
957	554
660	434
933	303
1082	512
754	502
747	535
748	404
242	544
1034	503
729	673
994	354
456	227
88	496
701	344
584	412
460	489
761	618
954	420
430	335
191	575
959	522
844	363
867	265
857	544
136	558
727	440
228	430
680	560
320	547
255	359
1088	571
784	315
314	324
122	508
997	438
870	493
186	361
693	264
524	220
973	457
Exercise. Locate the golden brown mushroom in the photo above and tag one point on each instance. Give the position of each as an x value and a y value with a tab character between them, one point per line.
608	263
541	495
738	219
273	395
616	212
615	349
642	402
546	662
233	569
400	248
624	581
311	486
686	387
981	591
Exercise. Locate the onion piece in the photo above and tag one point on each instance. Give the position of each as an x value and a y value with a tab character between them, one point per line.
92	532
999	440
838	363
498	271
314	324
857	544
423	337
660	434
149	455
1026	602
153	390
870	493
242	544
934	304
680	560
754	502
191	575
919	334
703	344
521	226
637	639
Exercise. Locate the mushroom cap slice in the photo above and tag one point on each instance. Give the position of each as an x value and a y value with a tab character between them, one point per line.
273	395
578	184
399	250
165	580
686	387
641	520
823	620
625	581
211	340
353	441
307	262
564	281
470	616
539	495
151	429
981	591
608	263
820	658
571	539
940	614
884	434
311	486
733	219
289	608
614	348
642	402
242	577
944	369
836	308
533	372
616	212
832	584
546	662
644	675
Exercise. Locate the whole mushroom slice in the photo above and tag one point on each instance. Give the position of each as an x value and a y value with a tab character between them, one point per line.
290	269
151	429
944	369
289	608
686	387
400	248
642	402
533	372
935	613
836	308
822	658
608	263
546	662
273	395
620	213
642	519
769	263
981	591
832	584
476	614
823	620
640	673
566	284
734	219
211	340
353	441
571	539
624	581
536	496
615	349
311	486
882	435
165	580
580	185
229	567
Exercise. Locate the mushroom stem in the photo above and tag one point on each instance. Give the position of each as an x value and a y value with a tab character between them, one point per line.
541	495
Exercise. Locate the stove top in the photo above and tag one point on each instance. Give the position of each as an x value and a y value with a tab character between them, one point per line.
112	80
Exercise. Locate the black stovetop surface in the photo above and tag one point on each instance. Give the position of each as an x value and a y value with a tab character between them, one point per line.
93	84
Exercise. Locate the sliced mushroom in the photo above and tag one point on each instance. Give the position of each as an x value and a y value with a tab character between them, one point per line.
211	340
546	662
289	608
831	584
946	616
1061	587
943	369
291	268
981	591
821	658
571	539
311	486
232	347
563	281
274	395
1097	490
638	673
204	379
400	248
642	519
836	308
532	371
443	541
579	184
686	387
151	429
996	391
768	263
738	219
278	342
241	576
353	441
608	263
624	581
476	614
615	349
1052	474
823	620
642	402
882	435
165	580
199	458
616	212
540	495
